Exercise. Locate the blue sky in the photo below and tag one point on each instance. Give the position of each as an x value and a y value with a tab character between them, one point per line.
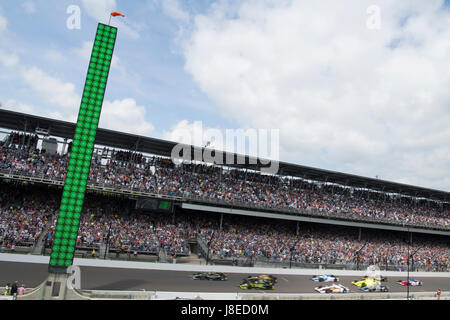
151	65
353	86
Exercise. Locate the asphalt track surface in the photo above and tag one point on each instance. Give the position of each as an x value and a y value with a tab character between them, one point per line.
95	278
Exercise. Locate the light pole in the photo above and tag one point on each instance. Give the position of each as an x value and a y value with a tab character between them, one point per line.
358	254
107	241
407	281
409	256
209	244
407	277
291	249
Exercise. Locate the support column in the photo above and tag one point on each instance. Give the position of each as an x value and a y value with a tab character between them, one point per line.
64	148
24	134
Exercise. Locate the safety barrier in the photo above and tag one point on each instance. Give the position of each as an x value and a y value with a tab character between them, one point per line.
166	295
208	268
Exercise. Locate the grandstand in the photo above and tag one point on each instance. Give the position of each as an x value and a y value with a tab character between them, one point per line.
228	214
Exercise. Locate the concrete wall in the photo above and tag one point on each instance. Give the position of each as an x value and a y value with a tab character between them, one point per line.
207	268
166	295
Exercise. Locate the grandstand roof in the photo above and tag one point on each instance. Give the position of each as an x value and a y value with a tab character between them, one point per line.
114	139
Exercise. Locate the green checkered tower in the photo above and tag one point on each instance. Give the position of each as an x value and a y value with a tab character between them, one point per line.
64	240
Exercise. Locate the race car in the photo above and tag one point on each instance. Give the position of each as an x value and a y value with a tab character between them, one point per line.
219	276
334	288
412	282
325	278
381	278
375	288
257	284
378	278
366	282
266	277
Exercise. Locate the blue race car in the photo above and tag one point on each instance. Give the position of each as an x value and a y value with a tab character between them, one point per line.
325	278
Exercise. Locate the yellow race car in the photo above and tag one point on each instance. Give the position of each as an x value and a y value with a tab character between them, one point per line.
377	277
366	282
381	278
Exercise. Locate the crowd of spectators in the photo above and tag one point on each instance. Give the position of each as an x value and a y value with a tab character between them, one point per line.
22	218
248	238
127	230
26	209
128	170
128	156
33	162
21	140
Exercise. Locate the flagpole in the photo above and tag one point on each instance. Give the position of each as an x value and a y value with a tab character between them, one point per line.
113	14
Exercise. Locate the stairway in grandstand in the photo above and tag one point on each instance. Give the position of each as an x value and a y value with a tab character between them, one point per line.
194	259
38	247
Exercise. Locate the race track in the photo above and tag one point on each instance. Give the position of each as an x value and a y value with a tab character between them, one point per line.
97	278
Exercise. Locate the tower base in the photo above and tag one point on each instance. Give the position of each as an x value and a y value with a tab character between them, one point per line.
54	288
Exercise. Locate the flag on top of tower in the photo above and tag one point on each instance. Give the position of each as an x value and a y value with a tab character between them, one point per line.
115	14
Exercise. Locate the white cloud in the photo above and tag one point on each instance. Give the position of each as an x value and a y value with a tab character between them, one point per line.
177	11
101	10
3	24
29	7
54	56
52	90
185	132
126	116
229	140
174	10
59	99
8	59
344	97
13	105
85	51
122	115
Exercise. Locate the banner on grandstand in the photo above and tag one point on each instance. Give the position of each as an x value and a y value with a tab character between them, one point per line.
154	204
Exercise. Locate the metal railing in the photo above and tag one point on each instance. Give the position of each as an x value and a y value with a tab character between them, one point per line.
259	261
